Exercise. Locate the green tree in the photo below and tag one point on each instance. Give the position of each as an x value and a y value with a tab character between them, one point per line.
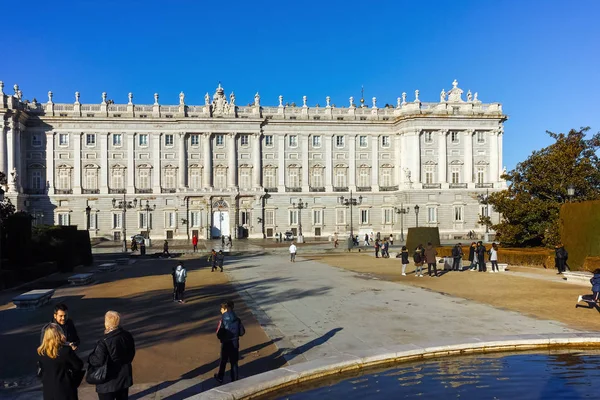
539	186
6	207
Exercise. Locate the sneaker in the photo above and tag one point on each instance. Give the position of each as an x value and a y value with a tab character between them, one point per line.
420	276
403	274
220	380
579	298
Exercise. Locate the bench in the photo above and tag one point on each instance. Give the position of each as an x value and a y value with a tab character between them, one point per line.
107	267
578	277
81	279
33	299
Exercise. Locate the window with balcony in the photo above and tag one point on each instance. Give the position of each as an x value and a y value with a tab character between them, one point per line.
245	174
90	179
386	176
117	179
316	176
36	182
269	177
64	178
169	177
195	177
220	178
144	178
364	176
429	174
341	176
293	177
480	175
455	174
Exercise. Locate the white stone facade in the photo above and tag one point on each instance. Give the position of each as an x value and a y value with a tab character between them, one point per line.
220	168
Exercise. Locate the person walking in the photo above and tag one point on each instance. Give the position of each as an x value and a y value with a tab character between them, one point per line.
335	240
229	330
404	256
457	255
61	370
180	278
220	257
595	281
222	240
366	239
117	350
143	248
494	257
377	248
166	249
418	259
229	241
173	270
480	251
293	250
65	325
195	243
213	259
391	239
430	258
561	257
473	256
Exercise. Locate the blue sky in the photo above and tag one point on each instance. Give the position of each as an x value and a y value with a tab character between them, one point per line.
539	58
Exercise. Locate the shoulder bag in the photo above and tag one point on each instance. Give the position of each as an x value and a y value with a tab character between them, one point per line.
97	375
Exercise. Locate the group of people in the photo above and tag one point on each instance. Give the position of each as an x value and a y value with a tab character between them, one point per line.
382	246
216	259
61	370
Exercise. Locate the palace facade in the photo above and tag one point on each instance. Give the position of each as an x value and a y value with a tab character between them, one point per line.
223	169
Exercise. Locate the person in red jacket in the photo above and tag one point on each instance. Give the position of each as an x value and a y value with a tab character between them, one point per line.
195	243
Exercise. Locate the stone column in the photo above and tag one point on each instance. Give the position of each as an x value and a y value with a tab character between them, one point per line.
404	157
304	155
352	162
375	163
443	157
10	154
19	158
256	160
494	171
77	161
3	160
131	163
50	162
500	166
206	161
413	154
468	158
156	167
231	160
328	163
281	162
104	172
397	159
182	160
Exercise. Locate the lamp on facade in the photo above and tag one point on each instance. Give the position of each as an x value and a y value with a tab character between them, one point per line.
300	206
401	211
571	192
124	205
352	201
88	210
417	214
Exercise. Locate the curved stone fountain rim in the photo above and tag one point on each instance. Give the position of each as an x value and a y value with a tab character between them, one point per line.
281	378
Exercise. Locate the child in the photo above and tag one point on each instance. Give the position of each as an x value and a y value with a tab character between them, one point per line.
595	281
404	255
418	259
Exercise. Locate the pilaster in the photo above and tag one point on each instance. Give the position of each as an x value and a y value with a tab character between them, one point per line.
77	162
494	170
352	162
182	160
256	160
231	160
156	167
304	155
206	161
375	163
131	163
443	157
104	175
281	162
50	162
468	157
397	159
329	162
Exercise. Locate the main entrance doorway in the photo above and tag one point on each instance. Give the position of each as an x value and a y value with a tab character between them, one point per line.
220	219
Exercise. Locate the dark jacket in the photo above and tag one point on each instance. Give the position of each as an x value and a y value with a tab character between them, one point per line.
118	348
561	253
68	329
472	253
58	375
220	258
230	329
595	281
418	255
480	253
430	254
405	257
457	252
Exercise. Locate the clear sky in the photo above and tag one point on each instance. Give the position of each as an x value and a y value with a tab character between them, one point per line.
540	59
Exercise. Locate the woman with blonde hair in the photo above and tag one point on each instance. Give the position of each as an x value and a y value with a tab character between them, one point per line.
61	369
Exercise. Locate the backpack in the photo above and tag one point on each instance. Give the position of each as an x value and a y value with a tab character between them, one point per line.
417	256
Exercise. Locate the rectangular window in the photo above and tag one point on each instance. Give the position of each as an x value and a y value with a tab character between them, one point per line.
386	177
458	214
118	178
64	179
36	140
455	175
269	140
317	217
340	177
144	181
36	180
245	178
90	139
340	216
244	140
169	140
91	179
480	137
428	137
431	214
143	139
339	141
169	178
195	178
220	140
63	219
117	219
195	219
385	141
93	221
117	139
220	178
454	136
293	217
316	141
269	177
293	177
317	177
270	217
63	139
143	220
429	174
195	140
480	174
364	217
364	177
362	141
388	216
170	219
293	140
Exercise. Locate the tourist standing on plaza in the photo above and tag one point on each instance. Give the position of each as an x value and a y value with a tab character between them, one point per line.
430	258
473	256
166	248
142	247
335	240
367	239
377	248
173	270
391	239
229	330
60	368
293	250
404	256
195	243
213	259
561	258
65	324
494	257
457	255
116	349
480	251
418	259
229	241
180	278
222	240
220	258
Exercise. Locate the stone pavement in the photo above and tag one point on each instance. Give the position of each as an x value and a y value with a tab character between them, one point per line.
315	310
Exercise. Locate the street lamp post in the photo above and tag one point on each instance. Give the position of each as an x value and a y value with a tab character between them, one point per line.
401	211
300	206
123	205
352	201
147	208
417	214
88	211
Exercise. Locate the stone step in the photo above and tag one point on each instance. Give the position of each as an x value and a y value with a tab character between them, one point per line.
33	299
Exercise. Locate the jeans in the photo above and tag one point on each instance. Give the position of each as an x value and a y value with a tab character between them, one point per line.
456	264
429	266
229	354
494	265
293	257
419	269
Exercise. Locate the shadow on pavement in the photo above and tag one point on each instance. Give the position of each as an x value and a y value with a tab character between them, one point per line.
313	343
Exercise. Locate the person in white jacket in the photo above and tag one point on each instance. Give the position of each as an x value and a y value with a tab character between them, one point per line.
494	257
293	252
180	277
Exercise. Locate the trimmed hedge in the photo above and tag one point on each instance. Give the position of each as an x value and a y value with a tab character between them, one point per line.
579	232
422	235
18	238
65	245
534	257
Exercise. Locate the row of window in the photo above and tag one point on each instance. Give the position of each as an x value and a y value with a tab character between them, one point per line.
454	136
455	174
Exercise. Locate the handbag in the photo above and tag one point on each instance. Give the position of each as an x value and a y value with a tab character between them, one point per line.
97	375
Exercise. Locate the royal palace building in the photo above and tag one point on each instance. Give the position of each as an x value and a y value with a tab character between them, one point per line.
173	171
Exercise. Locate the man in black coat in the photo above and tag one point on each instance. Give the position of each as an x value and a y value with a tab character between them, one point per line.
561	257
117	348
456	257
472	256
481	256
66	325
228	332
